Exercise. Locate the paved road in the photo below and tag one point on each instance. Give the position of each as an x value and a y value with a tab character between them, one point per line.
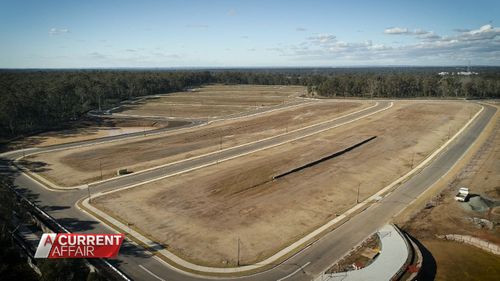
304	266
232	152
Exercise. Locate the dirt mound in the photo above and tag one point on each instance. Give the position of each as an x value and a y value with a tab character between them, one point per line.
480	203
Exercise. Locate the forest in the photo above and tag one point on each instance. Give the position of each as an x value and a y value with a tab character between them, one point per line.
36	100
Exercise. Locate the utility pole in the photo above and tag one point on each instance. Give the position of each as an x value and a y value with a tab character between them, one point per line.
238	251
412	158
357	196
220	142
88	190
100	167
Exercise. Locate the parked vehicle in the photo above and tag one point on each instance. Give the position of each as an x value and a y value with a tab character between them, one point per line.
462	195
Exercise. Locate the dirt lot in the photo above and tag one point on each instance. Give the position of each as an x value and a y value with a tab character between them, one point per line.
93	128
83	163
214	101
201	214
444	215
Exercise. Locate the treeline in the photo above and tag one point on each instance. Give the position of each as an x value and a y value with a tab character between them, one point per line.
404	85
35	100
38	100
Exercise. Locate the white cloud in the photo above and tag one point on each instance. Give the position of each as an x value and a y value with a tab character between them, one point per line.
300	29
480	45
484	32
323	39
419	31
58	31
231	12
396	30
405	31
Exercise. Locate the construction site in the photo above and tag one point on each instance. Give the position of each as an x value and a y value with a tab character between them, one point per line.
259	201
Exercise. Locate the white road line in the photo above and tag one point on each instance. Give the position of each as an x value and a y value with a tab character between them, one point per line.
229	157
152	274
282	252
291	274
54	186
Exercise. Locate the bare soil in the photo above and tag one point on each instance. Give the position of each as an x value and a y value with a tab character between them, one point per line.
92	128
357	258
443	215
214	101
201	214
84	163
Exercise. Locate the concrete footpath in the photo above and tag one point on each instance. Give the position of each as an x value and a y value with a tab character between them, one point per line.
393	258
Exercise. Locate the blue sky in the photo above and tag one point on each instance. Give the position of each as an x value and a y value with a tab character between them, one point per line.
71	33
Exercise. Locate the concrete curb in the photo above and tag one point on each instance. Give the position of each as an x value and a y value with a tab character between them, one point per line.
57	187
291	247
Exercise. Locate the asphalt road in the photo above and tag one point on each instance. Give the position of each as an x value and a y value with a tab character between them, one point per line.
307	264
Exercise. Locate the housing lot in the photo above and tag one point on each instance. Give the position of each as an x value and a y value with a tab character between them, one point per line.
214	101
85	163
200	215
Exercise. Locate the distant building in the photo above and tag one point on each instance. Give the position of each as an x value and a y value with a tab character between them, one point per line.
465	73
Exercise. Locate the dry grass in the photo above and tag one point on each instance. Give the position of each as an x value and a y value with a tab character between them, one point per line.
215	101
83	163
200	214
462	262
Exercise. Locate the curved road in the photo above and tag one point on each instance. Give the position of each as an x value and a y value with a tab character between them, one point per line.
307	264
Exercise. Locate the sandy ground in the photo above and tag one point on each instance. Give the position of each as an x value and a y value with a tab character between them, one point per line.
201	214
83	163
214	101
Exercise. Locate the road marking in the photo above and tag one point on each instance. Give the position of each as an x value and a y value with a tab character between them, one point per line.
220	160
282	252
253	142
152	274
298	269
55	187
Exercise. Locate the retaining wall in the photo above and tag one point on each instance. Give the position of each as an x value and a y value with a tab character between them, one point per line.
473	241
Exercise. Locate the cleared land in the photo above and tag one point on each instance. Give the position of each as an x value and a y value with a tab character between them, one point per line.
444	215
83	164
201	214
93	128
214	101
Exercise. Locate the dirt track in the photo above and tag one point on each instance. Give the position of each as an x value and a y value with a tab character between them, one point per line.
84	163
200	215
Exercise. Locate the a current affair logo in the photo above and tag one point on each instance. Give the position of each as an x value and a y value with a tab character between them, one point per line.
73	245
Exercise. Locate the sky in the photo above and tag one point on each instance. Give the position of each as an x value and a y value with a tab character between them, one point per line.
251	33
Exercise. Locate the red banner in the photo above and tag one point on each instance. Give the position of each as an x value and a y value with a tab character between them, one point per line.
73	245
